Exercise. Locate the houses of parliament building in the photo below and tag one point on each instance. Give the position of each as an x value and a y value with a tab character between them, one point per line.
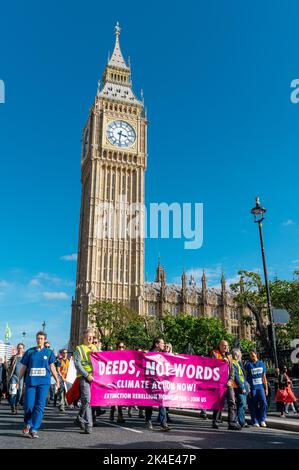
113	164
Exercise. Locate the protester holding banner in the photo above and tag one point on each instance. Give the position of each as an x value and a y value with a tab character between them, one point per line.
241	387
38	364
256	376
120	346
159	346
168	350
96	410
13	375
222	353
84	371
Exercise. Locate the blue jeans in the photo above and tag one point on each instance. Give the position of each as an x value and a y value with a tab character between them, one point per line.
35	401
258	405
14	400
161	416
241	399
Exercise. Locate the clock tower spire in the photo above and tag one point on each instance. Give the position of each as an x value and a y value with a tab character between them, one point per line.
110	261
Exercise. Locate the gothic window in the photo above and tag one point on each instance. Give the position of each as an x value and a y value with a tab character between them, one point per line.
174	310
235	331
105	265
127	269
123	184
133	273
129	187
194	311
113	187
108	186
121	268
134	186
152	309
234	315
110	266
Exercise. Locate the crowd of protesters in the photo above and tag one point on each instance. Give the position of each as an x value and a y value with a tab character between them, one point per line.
36	377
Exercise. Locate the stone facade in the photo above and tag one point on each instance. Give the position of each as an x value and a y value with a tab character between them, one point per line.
113	163
197	300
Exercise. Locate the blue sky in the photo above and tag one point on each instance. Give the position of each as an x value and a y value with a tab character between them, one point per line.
216	78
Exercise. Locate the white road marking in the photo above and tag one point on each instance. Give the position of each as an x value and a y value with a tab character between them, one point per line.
123	427
191	447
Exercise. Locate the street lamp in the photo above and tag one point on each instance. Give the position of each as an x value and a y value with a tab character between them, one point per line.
44	325
258	212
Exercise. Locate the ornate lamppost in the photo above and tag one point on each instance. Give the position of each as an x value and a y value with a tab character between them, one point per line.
258	212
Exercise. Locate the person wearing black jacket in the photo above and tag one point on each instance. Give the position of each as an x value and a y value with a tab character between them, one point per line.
3	381
280	383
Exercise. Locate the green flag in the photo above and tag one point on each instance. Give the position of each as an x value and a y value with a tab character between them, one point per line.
7	333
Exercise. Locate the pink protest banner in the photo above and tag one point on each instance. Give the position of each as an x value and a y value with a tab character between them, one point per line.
157	379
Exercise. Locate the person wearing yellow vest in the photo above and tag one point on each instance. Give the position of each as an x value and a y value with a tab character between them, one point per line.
222	353
84	371
240	386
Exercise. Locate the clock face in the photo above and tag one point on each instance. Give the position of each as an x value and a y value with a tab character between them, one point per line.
121	134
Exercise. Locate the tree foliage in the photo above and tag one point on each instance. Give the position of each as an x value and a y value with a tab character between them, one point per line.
188	334
198	334
250	292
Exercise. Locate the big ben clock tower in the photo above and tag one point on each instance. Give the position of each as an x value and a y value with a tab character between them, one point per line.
114	151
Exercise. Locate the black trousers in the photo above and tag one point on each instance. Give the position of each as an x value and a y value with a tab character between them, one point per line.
232	408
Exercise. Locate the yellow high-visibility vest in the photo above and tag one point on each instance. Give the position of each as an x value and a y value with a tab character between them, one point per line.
84	352
240	372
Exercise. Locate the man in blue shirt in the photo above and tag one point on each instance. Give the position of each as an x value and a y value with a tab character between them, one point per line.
38	364
256	377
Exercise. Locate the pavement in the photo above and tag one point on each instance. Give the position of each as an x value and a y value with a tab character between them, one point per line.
274	421
58	431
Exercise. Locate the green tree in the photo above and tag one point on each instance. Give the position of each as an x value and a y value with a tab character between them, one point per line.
247	344
250	292
118	322
201	334
111	318
139	333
